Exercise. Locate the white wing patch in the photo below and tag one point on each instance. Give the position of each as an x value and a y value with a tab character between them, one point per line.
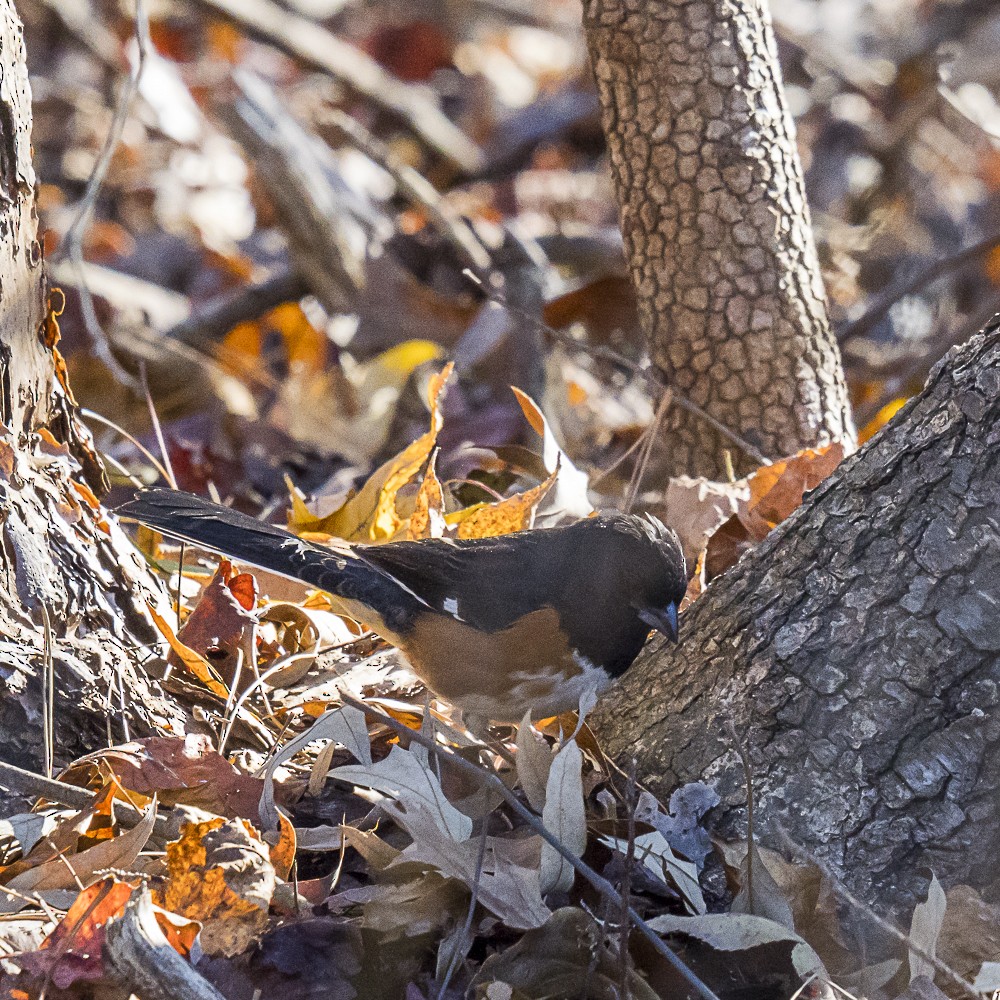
450	607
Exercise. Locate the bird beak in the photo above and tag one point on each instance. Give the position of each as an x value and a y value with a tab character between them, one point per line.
664	620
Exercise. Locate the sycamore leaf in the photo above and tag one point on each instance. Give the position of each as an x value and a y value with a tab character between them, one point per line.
345	725
413	785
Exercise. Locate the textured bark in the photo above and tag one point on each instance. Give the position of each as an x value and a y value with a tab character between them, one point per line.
716	225
60	558
857	652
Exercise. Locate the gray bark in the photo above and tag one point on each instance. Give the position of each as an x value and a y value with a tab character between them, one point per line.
716	226
857	652
61	558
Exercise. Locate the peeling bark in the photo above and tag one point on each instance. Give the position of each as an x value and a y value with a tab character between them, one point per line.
857	652
716	226
60	557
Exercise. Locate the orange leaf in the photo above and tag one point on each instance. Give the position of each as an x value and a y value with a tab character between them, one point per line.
219	874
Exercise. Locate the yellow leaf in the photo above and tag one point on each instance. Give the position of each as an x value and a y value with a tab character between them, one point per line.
506	516
881	419
427	519
371	514
403	358
219	873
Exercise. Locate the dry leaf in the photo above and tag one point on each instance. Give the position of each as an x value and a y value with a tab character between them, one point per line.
371	514
221	628
568	498
194	663
413	785
653	851
345	725
116	852
534	760
427	519
564	816
925	928
219	873
505	516
73	952
726	932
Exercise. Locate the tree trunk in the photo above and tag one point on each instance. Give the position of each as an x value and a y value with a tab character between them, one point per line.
62	559
716	226
857	653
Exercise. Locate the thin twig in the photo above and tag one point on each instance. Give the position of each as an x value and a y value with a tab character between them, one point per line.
875	313
640	466
651	375
154	461
491	781
157	429
16	779
48	695
311	44
626	883
72	246
848	897
449	223
467	926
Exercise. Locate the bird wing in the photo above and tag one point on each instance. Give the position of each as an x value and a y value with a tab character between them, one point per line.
488	583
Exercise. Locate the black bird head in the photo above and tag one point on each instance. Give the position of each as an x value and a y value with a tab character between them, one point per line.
663	580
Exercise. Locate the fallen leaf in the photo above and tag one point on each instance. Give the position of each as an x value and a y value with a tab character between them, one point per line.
66	872
776	491
413	785
736	932
427	519
371	514
759	893
564	817
568	497
655	854
567	957
345	725
533	761
73	952
925	928
506	516
194	663
219	873
222	626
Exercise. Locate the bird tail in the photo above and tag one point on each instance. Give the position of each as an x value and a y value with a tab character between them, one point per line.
339	571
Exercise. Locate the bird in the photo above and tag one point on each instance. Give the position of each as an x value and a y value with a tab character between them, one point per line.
498	627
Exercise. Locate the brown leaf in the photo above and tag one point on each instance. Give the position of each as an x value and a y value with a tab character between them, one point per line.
221	627
566	957
179	770
73	952
776	491
219	873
